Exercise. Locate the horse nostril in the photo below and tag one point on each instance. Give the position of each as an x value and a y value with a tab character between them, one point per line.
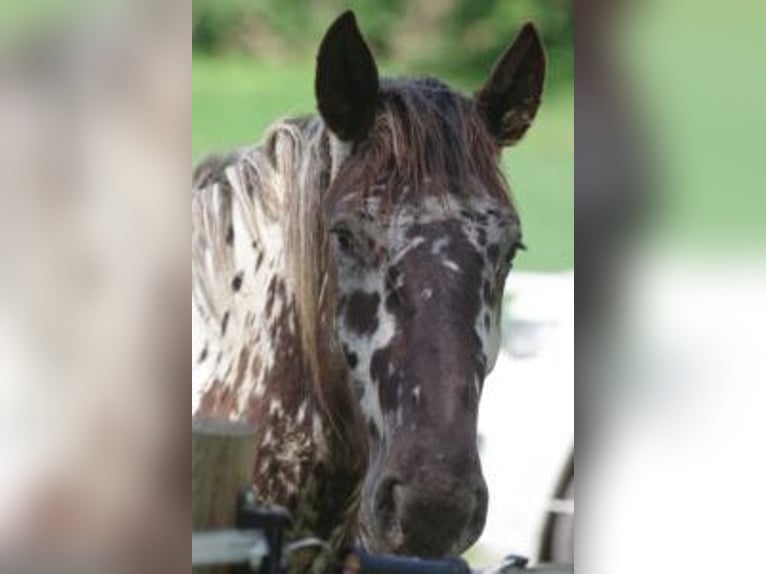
385	503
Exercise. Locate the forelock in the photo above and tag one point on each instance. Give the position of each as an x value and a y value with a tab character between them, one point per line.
427	140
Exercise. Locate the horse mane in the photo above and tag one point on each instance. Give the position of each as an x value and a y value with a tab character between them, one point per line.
284	178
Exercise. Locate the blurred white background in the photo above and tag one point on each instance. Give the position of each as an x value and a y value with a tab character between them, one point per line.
526	417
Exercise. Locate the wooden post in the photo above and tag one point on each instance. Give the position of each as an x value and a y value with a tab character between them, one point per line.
222	466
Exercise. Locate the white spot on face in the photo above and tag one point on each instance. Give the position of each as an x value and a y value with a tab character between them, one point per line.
451	265
427	293
416	394
413	244
365	346
399	281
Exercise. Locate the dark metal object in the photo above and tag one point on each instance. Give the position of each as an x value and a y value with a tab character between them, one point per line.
273	522
557	540
517	562
520	565
360	562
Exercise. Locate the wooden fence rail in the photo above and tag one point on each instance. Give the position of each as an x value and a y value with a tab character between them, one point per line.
222	466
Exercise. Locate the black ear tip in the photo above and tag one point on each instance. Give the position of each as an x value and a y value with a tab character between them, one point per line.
343	27
529	27
346	21
531	34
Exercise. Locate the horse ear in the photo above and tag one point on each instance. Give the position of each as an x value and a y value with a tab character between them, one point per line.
510	99
346	80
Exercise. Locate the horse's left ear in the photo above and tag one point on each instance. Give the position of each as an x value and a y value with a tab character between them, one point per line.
510	98
346	80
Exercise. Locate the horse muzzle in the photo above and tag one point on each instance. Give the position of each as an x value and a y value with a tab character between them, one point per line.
431	517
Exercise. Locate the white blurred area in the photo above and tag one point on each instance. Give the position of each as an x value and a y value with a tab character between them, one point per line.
671	387
674	479
95	110
526	417
673	471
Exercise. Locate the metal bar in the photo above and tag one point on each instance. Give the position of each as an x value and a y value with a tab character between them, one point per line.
229	547
225	547
562	506
542	569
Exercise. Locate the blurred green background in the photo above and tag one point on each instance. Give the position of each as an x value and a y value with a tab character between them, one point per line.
253	62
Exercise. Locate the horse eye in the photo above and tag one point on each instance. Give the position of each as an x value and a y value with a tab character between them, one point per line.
344	238
514	251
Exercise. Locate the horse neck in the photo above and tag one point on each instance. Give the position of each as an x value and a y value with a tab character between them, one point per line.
248	287
260	290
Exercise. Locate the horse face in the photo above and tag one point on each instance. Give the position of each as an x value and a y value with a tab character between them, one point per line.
419	320
421	261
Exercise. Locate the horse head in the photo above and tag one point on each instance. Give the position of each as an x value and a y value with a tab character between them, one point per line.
423	235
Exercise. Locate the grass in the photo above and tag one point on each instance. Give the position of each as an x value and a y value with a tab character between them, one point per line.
234	100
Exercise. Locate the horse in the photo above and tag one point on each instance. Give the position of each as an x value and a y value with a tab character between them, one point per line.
348	275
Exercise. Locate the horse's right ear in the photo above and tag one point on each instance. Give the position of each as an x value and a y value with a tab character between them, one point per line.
346	80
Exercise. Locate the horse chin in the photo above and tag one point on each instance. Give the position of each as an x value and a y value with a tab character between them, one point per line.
381	533
393	542
469	539
434	552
